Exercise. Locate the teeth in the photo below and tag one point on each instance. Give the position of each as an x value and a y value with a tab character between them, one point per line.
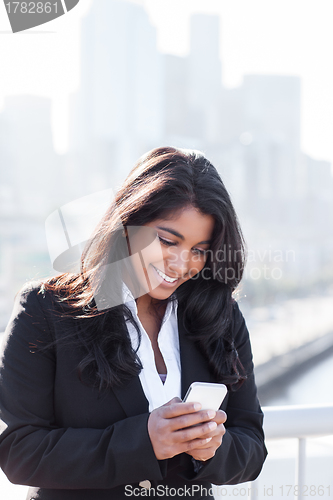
165	277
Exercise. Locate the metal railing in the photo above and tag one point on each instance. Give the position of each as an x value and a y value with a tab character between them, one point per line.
301	422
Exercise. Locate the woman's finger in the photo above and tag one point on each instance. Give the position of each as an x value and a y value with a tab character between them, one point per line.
175	409
196	432
221	417
191	419
204	451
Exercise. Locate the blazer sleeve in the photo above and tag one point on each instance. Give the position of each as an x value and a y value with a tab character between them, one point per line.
35	451
242	453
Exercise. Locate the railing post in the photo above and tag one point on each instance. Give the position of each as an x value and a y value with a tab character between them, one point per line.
254	490
300	468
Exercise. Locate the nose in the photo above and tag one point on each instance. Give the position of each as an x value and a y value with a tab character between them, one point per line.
178	262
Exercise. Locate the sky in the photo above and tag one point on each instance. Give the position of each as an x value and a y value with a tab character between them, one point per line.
285	37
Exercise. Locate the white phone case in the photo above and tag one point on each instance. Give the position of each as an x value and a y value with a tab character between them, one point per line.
209	395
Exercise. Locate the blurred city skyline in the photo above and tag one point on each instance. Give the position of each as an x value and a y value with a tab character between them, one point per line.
281	38
131	98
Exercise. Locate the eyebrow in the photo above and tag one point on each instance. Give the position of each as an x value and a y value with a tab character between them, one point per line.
175	233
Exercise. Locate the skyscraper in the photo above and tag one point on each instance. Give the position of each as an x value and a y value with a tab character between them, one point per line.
30	160
119	110
204	77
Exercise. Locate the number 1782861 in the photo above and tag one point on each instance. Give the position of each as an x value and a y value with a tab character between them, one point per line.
32	7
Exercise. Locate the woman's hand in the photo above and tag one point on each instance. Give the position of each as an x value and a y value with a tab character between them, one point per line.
207	451
171	430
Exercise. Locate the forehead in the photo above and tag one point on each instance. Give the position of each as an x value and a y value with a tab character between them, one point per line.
189	222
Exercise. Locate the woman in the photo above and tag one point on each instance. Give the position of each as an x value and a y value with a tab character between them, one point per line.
95	363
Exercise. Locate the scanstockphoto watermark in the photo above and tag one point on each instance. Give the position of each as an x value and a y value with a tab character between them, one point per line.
25	15
229	274
265	491
163	490
225	254
266	264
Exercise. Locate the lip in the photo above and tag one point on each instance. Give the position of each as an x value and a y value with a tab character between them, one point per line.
164	282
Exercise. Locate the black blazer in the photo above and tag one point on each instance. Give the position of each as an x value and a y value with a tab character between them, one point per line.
70	442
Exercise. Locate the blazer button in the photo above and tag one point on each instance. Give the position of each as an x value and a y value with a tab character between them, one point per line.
145	484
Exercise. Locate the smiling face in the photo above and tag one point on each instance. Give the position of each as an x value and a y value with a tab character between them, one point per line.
177	254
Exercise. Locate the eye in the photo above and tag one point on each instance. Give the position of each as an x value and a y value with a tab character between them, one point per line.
199	252
166	242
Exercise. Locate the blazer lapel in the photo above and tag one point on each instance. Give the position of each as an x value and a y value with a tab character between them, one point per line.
195	367
132	398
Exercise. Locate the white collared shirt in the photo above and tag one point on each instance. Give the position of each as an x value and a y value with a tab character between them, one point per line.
155	391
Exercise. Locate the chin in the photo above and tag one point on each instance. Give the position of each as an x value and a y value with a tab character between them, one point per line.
161	294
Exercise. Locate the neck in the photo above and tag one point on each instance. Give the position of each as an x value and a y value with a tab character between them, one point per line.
151	308
148	305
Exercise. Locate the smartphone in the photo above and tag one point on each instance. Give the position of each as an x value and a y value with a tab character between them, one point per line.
209	395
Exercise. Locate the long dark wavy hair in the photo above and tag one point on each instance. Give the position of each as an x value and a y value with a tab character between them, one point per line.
163	181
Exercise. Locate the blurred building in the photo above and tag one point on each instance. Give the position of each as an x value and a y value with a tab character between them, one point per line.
204	78
193	87
31	178
119	110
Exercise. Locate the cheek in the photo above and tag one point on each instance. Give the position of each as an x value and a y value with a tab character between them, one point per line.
164	255
197	264
152	253
157	256
137	266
